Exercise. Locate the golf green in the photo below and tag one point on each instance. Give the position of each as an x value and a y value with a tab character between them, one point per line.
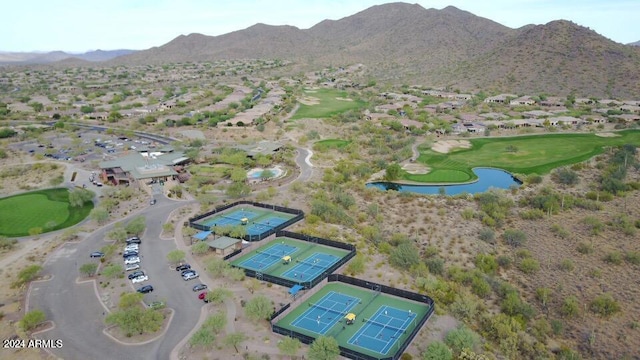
534	154
328	102
47	210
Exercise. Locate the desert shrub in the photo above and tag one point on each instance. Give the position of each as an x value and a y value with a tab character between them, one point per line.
585	248
435	265
32	319
614	257
560	231
480	287
513	305
487	235
534	179
504	261
486	263
557	326
467	214
604	305
529	266
514	237
567	265
404	256
599	196
437	350
461	338
532	214
594	225
570	307
632	257
565	176
465	307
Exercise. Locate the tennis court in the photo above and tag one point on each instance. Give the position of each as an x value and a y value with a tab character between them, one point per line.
300	268
311	266
256	220
328	311
262	260
383	329
383	322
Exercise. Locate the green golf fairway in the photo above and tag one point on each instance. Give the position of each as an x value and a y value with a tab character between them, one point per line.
535	154
45	209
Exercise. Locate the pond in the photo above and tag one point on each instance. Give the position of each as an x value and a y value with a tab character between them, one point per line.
487	178
256	173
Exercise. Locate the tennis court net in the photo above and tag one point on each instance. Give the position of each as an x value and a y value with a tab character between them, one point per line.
385	326
272	224
268	254
318	264
338	312
232	218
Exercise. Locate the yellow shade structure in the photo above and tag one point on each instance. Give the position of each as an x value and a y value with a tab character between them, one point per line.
350	318
244	221
286	259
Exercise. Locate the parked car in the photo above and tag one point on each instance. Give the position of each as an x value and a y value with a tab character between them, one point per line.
131	267
132	260
139	279
135	274
199	287
188	271
183	267
152	202
130	253
133	240
96	254
190	276
203	296
132	247
145	289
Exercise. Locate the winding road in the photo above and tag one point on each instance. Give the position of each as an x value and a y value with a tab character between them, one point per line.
78	313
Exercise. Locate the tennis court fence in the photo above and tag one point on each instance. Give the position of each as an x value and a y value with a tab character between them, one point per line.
298	215
353	354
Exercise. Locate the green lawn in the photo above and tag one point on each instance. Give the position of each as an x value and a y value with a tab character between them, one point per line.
324	145
535	154
45	209
328	105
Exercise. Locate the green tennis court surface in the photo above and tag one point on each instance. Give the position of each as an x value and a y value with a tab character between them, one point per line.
382	325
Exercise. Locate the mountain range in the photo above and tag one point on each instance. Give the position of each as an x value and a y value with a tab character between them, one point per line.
26	58
404	43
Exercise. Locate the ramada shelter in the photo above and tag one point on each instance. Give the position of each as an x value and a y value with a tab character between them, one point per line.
143	165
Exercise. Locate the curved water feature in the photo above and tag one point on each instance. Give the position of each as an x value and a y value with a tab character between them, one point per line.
256	173
487	178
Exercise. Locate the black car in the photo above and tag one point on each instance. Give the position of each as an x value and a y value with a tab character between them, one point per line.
133	241
135	274
199	287
183	267
145	289
96	254
129	253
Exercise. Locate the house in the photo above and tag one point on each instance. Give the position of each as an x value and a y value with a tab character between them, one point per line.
523	100
408	124
567	120
263	147
536	114
494	116
499	99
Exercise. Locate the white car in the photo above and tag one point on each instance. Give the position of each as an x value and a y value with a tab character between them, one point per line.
132	247
190	276
132	260
140	279
131	267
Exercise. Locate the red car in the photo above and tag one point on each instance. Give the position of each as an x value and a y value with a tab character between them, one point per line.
203	296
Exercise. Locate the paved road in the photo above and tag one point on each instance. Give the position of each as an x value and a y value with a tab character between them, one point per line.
78	317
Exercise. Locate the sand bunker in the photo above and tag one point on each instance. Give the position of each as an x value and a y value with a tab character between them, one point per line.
444	146
417	169
344	99
607	134
309	100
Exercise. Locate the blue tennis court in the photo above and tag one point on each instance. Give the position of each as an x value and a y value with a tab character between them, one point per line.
231	218
309	268
328	311
264	259
264	225
383	329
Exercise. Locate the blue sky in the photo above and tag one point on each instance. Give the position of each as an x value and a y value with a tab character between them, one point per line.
82	25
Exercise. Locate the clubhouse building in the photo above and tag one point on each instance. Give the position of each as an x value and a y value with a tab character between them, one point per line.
157	165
